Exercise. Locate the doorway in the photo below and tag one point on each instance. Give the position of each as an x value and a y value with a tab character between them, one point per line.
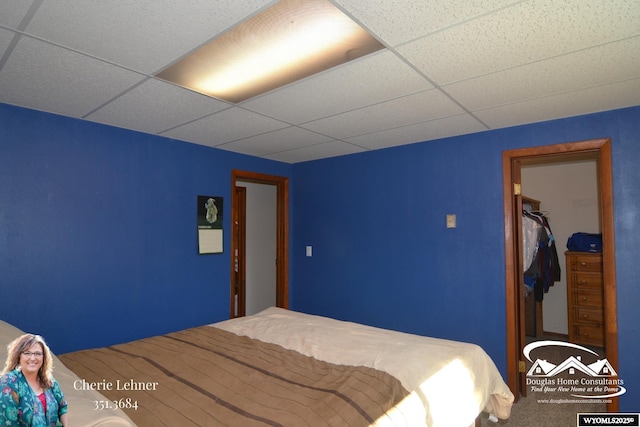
565	191
512	160
238	289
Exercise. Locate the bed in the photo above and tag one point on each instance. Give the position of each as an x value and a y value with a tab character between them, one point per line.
284	368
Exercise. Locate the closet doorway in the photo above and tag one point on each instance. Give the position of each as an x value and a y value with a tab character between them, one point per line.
566	194
600	150
247	188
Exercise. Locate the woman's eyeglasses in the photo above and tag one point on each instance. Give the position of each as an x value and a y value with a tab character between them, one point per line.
37	354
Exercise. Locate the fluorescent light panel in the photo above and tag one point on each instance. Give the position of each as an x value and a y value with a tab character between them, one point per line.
289	41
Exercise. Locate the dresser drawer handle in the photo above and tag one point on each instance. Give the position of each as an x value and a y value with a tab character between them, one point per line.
585	316
585	298
584	264
584	281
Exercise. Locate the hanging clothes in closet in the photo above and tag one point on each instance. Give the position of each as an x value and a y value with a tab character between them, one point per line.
540	257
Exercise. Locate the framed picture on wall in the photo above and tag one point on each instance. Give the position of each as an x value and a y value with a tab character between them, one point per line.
210	239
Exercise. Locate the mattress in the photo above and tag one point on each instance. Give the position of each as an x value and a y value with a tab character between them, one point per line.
204	376
450	382
282	368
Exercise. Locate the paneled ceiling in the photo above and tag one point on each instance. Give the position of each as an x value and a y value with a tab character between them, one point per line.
450	67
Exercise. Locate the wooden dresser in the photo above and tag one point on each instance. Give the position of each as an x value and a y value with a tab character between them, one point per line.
585	298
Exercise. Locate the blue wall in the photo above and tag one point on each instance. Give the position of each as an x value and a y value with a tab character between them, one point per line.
98	238
98	242
382	254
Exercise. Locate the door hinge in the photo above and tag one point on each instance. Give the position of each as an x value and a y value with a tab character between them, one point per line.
522	367
517	189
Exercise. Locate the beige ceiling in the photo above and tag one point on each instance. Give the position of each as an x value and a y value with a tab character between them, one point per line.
450	67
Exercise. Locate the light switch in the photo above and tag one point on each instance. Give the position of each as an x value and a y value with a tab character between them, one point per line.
451	220
309	251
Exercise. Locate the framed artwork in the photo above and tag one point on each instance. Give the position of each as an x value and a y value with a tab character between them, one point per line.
210	239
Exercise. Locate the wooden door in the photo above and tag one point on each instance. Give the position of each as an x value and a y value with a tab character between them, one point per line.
238	292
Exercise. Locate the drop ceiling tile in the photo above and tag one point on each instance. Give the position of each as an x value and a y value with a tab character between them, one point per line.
13	11
427	131
155	106
315	152
276	141
578	70
399	21
144	35
375	78
524	33
46	77
5	39
591	100
225	126
420	107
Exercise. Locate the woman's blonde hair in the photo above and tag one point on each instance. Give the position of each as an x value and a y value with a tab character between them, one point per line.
22	344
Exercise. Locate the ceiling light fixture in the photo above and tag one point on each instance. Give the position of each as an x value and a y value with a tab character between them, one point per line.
289	41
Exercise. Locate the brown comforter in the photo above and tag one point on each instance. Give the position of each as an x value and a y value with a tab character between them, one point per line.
209	377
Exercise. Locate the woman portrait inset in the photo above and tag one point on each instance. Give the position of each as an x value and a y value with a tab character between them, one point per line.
29	395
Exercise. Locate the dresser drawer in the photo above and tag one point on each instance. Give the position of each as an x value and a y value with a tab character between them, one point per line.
591	315
588	334
587	280
586	262
589	298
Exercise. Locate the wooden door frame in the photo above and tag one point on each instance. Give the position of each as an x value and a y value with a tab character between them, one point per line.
282	231
601	148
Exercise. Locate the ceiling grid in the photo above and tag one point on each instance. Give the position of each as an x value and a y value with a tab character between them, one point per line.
449	68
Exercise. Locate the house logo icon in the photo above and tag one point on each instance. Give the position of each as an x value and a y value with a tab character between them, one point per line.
601	368
599	374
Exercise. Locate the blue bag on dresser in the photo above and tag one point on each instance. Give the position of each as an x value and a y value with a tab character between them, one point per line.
585	242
